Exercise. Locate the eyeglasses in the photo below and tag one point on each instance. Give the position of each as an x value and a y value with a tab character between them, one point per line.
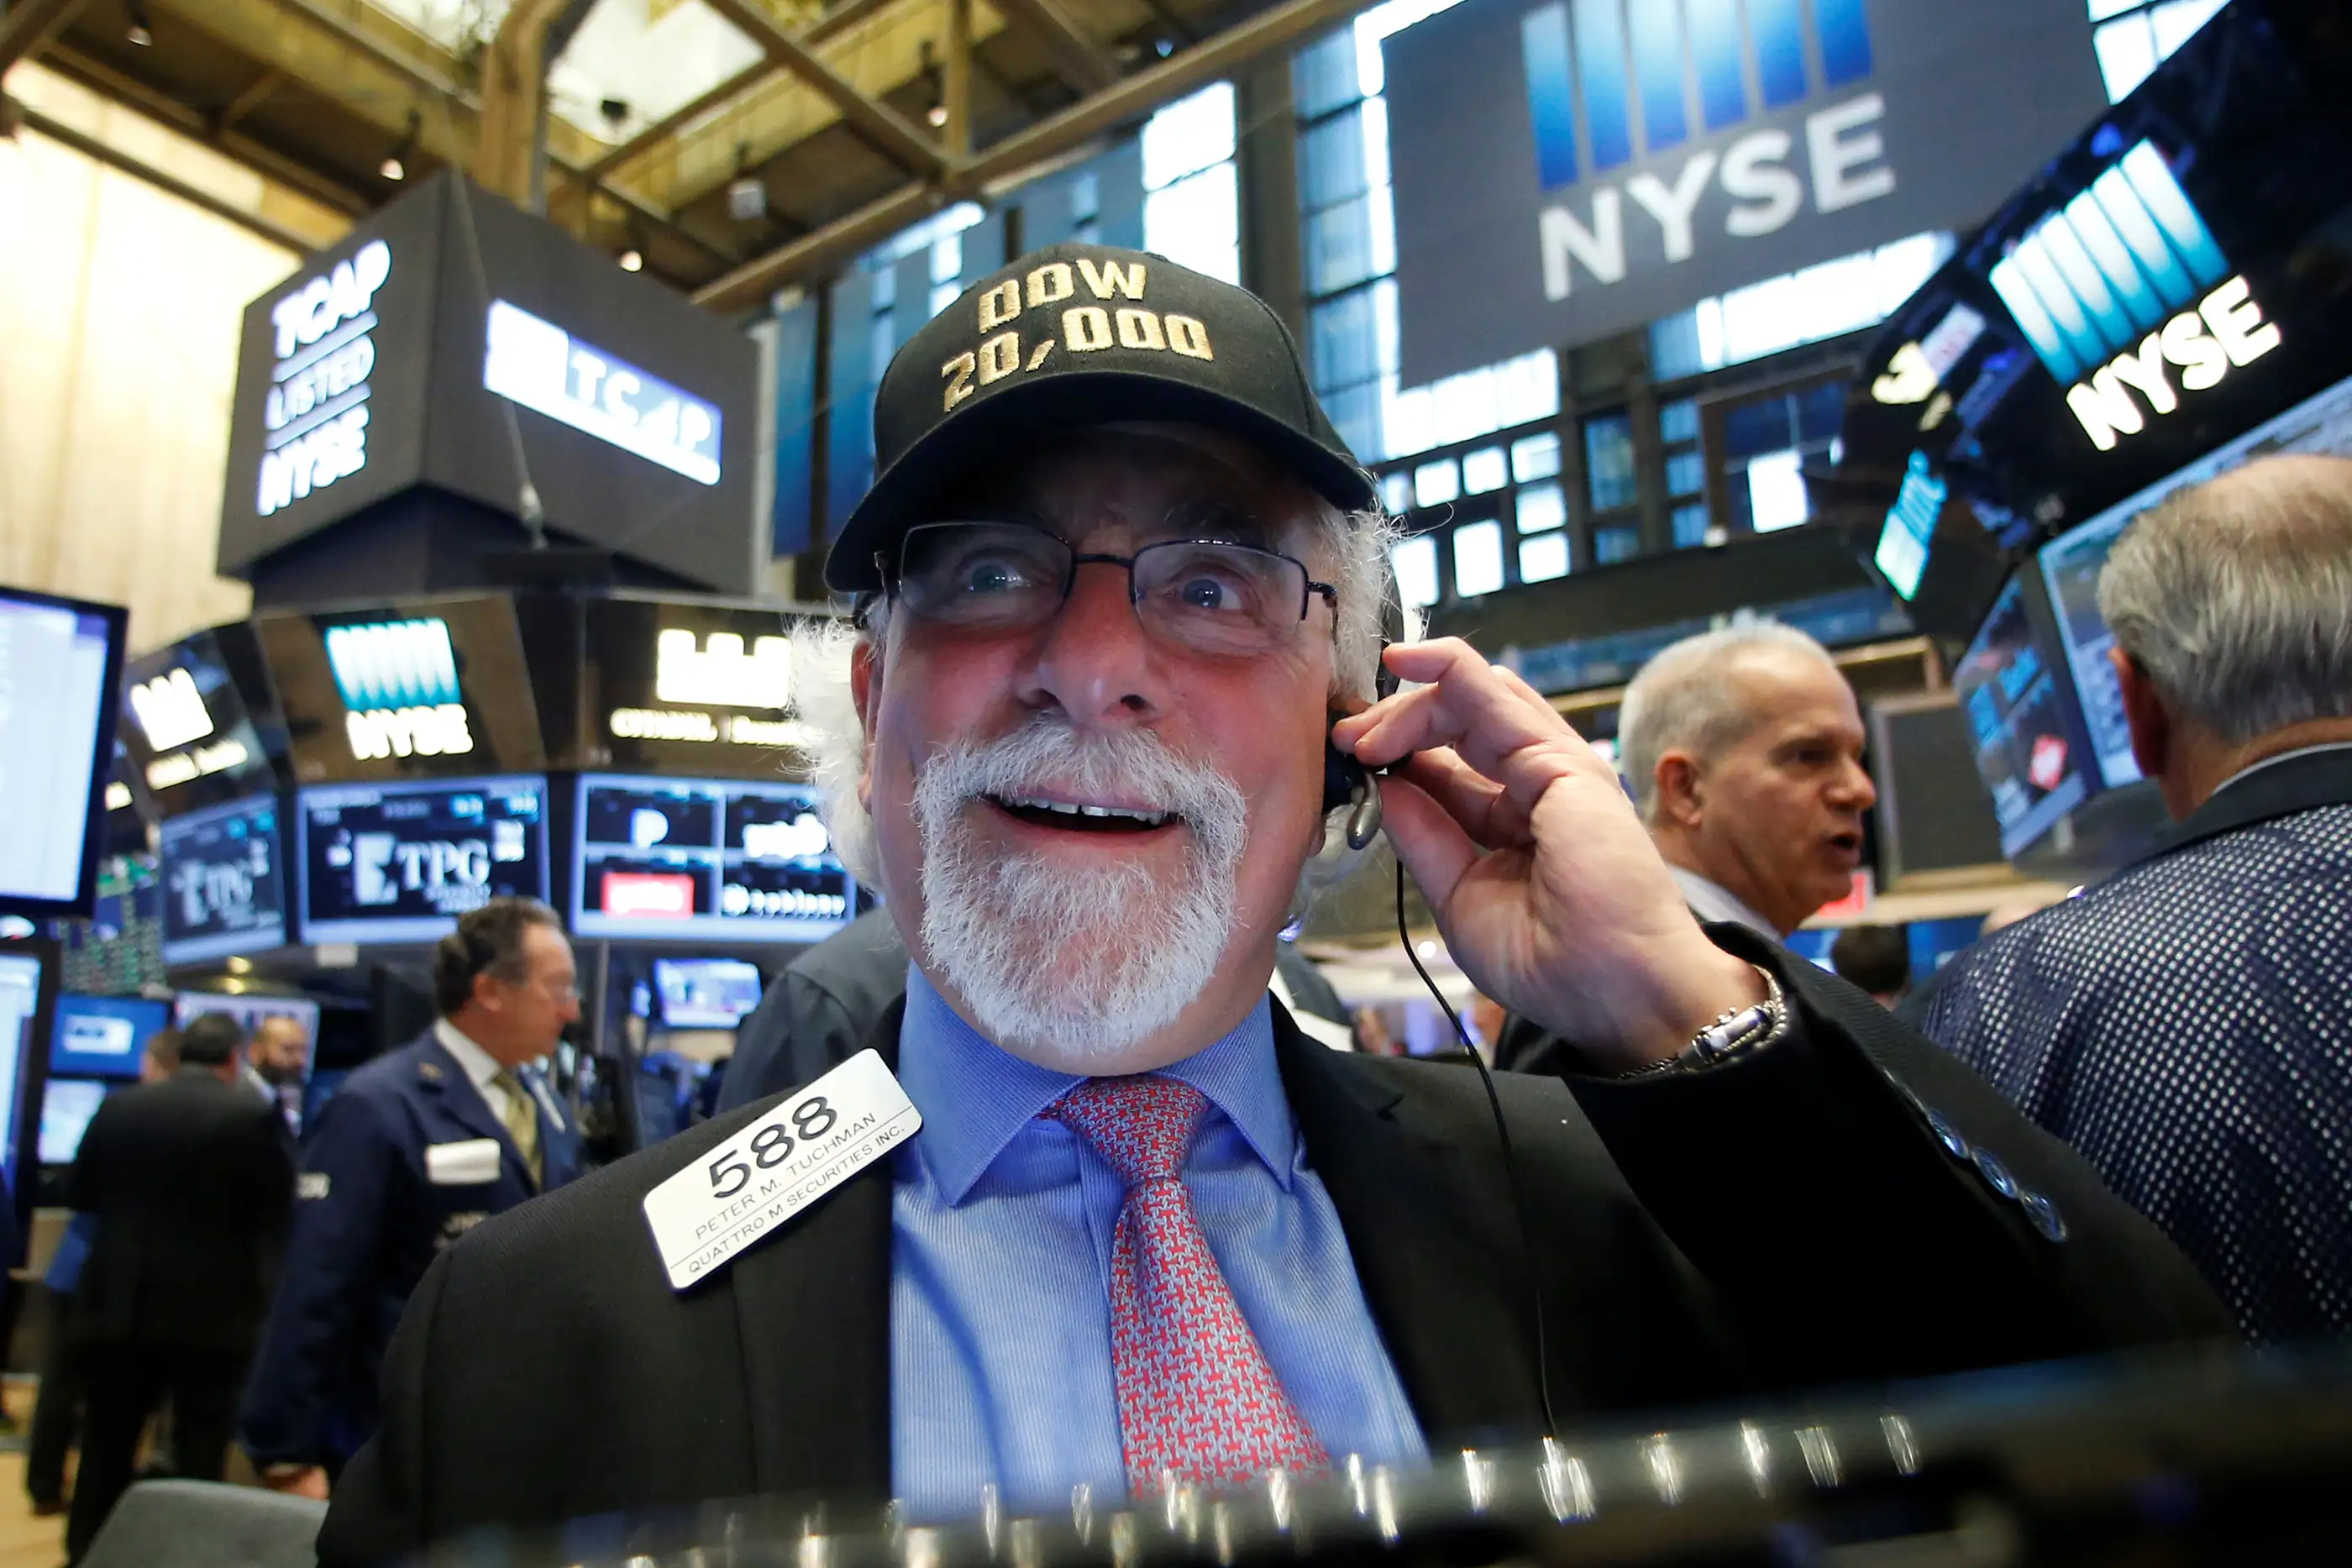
1202	595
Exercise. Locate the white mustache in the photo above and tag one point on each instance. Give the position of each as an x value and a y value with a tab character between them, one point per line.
1049	757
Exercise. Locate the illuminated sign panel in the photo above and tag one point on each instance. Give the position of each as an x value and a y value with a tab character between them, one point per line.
223	883
547	371
1564	169
1910	524
2121	288
316	412
399	685
710	860
394	864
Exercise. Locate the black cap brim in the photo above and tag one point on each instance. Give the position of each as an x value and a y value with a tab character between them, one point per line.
908	491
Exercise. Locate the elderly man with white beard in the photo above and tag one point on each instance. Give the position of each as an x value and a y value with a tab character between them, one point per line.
1119	579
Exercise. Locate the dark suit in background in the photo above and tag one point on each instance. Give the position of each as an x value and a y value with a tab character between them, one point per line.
817	1013
2188	1027
188	1181
1793	1219
372	1213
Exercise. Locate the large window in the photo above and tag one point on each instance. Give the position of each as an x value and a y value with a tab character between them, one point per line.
1191	204
1348	230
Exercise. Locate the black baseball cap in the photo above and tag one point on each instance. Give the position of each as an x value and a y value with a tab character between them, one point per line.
1078	335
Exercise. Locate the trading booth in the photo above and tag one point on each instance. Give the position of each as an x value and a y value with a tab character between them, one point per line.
494	500
2167	300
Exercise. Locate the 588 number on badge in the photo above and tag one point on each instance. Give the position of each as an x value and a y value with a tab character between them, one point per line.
772	1146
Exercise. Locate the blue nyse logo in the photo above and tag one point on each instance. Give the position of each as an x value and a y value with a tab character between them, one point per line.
1624	84
399	685
2123	285
1674	64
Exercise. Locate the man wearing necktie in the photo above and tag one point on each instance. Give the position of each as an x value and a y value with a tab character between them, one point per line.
1118	577
414	1149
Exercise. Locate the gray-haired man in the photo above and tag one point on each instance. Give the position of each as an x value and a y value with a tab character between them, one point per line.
2187	1025
1744	749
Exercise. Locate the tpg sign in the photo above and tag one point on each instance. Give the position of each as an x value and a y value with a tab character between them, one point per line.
1580	167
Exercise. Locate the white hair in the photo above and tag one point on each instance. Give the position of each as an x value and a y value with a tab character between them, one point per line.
1358	544
2235	597
1682	701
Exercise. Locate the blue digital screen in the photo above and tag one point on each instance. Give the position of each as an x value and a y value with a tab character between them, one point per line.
103	1037
223	881
399	863
706	993
67	1106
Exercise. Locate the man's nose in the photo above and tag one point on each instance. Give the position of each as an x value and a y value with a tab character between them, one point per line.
1853	791
1093	659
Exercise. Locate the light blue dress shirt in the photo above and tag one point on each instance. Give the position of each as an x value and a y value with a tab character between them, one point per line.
1000	1274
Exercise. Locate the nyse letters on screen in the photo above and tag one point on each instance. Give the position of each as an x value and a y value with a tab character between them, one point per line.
1844	155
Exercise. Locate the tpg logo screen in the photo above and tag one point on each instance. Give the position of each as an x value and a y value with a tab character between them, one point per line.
1574	168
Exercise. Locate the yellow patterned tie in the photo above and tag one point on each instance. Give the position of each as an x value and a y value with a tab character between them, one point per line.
521	1117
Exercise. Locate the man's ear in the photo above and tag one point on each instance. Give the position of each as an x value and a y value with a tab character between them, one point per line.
866	688
1679	789
2144	713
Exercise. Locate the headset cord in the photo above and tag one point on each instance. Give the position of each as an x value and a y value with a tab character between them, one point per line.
1510	1166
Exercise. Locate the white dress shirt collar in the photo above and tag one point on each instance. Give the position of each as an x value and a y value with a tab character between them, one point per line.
1711	900
481	1068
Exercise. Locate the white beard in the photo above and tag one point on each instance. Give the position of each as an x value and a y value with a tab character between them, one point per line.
1078	965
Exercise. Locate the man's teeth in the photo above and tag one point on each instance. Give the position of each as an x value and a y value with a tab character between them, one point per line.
1149	819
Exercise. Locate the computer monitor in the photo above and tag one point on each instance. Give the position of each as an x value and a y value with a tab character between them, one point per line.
2071	563
61	665
399	863
2021	718
706	993
67	1106
28	983
103	1037
705	860
223	881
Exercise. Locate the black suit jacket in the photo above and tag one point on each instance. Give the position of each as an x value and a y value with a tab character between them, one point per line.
190	1180
1772	1224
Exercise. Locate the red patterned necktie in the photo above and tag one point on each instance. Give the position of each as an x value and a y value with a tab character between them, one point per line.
1197	1399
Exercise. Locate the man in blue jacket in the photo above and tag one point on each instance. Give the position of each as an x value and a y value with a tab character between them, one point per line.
416	1149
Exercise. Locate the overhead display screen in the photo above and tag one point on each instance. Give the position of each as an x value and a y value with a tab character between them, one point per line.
60	661
248	1009
188	729
2026	742
223	881
399	863
538	364
673	859
706	993
2071	563
416	688
103	1037
692	689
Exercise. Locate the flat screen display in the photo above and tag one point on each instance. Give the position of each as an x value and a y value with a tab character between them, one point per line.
60	665
223	881
706	993
2071	563
705	860
2026	747
399	863
103	1037
20	1003
67	1106
248	1010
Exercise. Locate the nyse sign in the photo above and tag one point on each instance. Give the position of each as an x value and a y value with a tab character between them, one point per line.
1568	169
719	671
398	680
316	412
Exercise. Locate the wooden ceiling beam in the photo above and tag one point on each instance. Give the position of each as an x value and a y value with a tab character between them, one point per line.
1077	57
877	123
27	27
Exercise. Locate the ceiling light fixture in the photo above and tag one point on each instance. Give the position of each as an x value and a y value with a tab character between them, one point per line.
632	260
747	196
139	32
395	166
934	87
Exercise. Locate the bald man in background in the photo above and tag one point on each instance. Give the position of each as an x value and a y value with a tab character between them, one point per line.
1743	748
2188	1024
